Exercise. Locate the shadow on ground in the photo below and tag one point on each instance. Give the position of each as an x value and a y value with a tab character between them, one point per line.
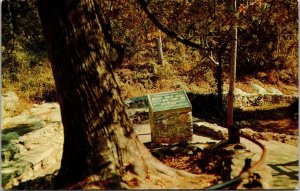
286	169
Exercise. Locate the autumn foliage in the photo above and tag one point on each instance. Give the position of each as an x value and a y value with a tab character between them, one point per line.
267	42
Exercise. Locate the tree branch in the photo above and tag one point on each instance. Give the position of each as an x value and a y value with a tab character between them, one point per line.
212	59
171	34
106	26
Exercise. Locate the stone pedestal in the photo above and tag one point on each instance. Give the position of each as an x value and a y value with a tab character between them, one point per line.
170	117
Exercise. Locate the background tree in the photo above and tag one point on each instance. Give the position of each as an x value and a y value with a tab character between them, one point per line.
207	24
100	145
25	69
205	33
160	50
264	29
232	135
267	43
21	37
194	24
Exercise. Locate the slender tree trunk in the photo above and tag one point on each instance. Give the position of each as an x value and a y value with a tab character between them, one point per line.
232	75
99	143
219	75
160	50
12	25
220	81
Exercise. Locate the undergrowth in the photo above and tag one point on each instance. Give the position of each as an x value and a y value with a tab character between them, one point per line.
184	68
32	84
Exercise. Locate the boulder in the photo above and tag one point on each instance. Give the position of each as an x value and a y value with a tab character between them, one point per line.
275	91
259	89
10	102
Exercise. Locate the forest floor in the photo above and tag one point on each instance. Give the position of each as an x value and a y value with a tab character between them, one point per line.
281	126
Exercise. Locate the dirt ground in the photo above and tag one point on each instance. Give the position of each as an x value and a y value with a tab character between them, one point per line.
282	126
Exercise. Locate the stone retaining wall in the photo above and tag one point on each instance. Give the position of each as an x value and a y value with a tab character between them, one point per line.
242	100
252	100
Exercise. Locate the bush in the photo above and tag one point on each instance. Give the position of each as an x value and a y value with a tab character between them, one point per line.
33	84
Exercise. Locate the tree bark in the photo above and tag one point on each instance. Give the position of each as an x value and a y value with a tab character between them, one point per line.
92	110
99	142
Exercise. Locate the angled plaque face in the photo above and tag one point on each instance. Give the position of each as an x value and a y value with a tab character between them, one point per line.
169	101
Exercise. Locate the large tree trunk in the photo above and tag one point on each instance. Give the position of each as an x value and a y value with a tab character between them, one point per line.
99	142
92	111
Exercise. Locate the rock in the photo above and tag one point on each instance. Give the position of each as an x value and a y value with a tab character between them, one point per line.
7	137
258	101
277	99
259	89
210	130
7	179
54	117
47	111
137	102
13	171
32	144
8	152
21	122
39	154
275	91
10	102
269	136
239	92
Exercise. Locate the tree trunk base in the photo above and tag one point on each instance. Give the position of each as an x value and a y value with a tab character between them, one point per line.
160	177
143	171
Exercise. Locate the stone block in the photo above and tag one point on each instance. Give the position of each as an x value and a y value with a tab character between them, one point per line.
170	117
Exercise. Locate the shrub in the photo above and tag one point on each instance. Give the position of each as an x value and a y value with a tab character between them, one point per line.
35	84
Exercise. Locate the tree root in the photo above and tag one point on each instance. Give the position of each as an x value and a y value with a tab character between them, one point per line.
141	170
147	172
